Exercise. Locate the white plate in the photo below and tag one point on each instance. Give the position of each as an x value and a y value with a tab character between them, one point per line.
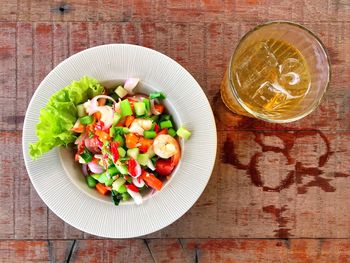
186	101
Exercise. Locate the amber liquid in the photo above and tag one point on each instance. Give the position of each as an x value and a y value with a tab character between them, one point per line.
271	77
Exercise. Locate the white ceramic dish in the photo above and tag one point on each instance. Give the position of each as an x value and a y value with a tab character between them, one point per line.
60	185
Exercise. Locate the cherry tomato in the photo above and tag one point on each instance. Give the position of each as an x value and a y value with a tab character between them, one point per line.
164	166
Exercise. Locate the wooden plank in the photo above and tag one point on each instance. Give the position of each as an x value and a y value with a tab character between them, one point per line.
8	76
7	168
174	250
9	11
175	11
269	250
24	251
233	201
248	197
25	70
78	37
290	182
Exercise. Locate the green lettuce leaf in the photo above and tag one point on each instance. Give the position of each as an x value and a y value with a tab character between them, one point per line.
60	114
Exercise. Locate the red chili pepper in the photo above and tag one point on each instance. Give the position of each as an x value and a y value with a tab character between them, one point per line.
114	150
156	128
131	167
132	187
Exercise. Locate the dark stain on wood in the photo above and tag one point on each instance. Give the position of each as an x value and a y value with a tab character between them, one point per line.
62	9
282	231
229	156
13	119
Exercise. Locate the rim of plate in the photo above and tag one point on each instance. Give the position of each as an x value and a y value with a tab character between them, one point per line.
193	109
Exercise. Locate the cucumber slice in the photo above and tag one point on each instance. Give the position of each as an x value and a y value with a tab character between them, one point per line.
143	159
123	169
118	183
121	152
117	117
121	92
81	110
133	153
140	108
183	133
150	152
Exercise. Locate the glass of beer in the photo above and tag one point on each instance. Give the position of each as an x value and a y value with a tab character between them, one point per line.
278	73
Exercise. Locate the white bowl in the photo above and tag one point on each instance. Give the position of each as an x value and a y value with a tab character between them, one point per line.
59	182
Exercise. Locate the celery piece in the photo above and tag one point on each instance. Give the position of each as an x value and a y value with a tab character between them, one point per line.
81	110
125	108
172	132
157	95
133	153
86	120
166	124
149	134
142	159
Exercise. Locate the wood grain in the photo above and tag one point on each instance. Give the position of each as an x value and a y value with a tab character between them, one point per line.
175	11
277	183
176	250
32	49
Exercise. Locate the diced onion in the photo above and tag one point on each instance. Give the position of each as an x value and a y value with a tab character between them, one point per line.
107	115
136	196
130	84
95	168
150	165
84	169
138	183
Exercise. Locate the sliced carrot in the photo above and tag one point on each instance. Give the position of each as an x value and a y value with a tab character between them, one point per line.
129	120
145	144
159	108
102	189
164	131
131	140
151	180
97	115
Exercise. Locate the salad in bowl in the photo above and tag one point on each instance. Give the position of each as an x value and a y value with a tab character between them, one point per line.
126	143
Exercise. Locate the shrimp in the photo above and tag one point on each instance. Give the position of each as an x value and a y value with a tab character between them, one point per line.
166	146
138	126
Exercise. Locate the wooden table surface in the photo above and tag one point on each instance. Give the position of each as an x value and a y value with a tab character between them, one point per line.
278	193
